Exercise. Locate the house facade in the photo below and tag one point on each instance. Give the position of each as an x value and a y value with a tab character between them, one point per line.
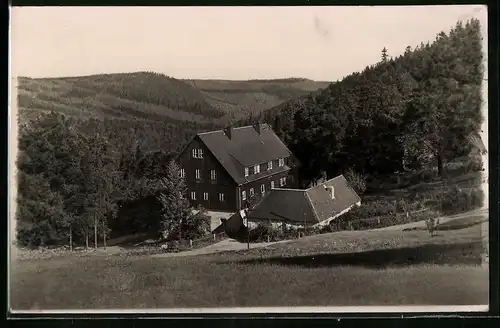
226	169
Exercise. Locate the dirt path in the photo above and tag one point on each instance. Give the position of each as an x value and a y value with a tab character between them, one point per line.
222	246
233	245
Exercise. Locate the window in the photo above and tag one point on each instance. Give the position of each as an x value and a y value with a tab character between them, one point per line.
198	174
205	196
256	169
272	184
251	192
246	171
270	165
281	162
262	189
282	181
221	197
193	195
197	153
243	195
182	173
213	175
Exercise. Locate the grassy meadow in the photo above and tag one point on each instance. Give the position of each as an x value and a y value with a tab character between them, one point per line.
350	268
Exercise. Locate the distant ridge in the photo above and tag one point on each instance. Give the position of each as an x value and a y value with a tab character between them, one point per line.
146	95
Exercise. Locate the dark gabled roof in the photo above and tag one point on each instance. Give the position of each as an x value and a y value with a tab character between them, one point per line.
289	205
311	205
322	202
246	148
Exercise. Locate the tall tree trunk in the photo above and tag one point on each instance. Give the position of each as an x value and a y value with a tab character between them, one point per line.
87	238
104	238
440	165
95	231
70	238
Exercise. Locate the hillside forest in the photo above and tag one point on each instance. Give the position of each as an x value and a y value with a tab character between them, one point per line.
94	152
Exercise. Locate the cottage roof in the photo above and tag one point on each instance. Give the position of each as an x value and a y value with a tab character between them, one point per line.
245	148
308	206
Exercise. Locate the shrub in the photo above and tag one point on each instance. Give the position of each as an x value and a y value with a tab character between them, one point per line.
459	200
431	225
356	180
196	226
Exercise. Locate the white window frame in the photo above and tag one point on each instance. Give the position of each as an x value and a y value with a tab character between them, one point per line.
272	184
213	175
247	171
221	197
269	165
193	195
198	153
205	196
281	162
256	169
182	173
243	195
262	189
251	193
198	174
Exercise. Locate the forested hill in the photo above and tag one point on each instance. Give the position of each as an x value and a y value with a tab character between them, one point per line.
159	111
417	110
153	96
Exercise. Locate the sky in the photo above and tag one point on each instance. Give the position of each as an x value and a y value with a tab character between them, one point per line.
237	43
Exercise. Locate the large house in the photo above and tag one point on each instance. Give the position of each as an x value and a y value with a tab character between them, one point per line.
226	169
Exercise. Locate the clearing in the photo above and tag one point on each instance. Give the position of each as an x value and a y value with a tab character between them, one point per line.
351	268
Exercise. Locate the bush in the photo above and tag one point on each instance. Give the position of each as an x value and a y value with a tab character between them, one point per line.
356	180
196	226
460	200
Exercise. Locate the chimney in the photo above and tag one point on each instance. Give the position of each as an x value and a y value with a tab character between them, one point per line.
330	190
228	131
258	127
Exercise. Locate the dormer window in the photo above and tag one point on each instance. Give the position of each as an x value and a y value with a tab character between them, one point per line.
256	169
270	165
246	171
198	153
281	162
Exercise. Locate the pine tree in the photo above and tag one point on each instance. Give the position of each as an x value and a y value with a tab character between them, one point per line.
384	55
175	205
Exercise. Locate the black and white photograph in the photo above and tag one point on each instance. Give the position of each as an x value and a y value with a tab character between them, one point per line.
248	159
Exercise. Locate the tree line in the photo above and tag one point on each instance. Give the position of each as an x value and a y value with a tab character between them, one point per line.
75	185
407	113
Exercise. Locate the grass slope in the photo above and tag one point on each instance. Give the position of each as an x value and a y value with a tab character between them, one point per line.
152	96
339	269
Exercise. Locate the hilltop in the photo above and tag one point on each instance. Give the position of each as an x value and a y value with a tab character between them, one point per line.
156	97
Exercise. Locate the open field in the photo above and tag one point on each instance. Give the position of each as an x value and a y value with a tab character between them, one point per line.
336	269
